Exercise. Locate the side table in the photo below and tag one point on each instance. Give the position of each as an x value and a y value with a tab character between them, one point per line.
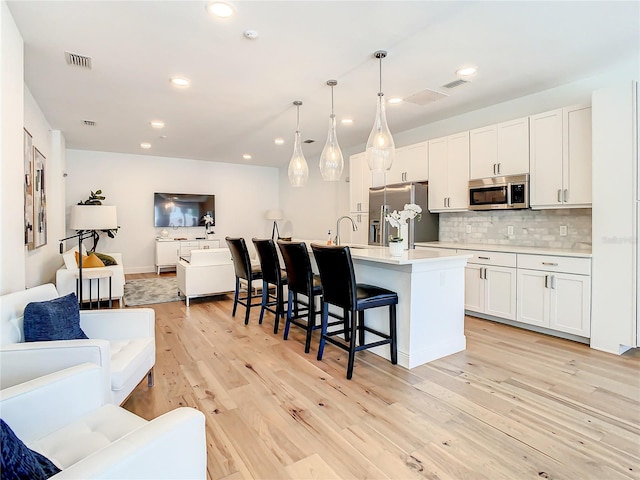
92	274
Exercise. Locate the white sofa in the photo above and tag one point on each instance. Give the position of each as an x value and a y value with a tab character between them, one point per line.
67	274
64	417
207	272
121	342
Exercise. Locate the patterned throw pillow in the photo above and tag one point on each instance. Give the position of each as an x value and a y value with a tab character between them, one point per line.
57	319
19	461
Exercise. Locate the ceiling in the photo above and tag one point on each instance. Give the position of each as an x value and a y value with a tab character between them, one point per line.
242	90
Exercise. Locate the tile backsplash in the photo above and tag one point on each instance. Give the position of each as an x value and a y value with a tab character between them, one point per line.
531	228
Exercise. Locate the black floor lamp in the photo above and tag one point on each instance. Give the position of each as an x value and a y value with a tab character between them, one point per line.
84	219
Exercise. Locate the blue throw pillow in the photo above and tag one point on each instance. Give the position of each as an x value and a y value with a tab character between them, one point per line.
19	461
57	319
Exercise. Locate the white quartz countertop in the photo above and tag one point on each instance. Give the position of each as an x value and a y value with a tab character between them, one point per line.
563	252
409	257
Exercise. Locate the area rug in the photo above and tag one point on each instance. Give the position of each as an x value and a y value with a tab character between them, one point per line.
147	291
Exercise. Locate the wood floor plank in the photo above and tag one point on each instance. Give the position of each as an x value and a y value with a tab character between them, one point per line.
513	405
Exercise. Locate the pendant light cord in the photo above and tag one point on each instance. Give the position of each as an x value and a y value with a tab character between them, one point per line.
332	101
298	121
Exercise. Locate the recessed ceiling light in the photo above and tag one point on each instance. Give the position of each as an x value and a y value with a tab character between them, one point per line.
347	121
467	71
394	100
279	141
157	123
145	145
180	81
220	9
246	156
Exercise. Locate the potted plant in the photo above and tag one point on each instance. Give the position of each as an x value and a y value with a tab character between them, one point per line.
208	223
397	244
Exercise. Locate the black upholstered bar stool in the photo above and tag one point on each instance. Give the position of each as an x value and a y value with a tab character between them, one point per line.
272	274
244	271
339	288
302	283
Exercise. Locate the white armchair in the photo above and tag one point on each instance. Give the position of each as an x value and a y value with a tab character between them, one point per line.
207	272
64	417
121	342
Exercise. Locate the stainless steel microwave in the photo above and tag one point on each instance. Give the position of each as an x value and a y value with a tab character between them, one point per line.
499	193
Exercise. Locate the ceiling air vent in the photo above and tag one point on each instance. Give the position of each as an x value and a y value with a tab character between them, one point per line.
425	97
308	140
89	123
78	60
456	83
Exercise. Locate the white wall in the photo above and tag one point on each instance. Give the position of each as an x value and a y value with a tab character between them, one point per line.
42	263
243	195
12	251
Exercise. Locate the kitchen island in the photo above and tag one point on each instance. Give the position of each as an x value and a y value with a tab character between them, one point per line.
430	311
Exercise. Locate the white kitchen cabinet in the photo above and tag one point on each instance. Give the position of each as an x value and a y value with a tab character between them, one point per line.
555	293
560	158
490	284
449	173
360	180
499	150
411	164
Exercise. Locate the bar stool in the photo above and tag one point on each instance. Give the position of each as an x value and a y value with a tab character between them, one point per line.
339	288
272	274
244	271
302	282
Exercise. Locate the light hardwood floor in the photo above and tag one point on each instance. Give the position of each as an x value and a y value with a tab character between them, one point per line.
514	405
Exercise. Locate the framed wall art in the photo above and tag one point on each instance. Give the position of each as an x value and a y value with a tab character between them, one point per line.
39	199
28	190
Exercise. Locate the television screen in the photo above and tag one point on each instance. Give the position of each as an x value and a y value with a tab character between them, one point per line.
182	209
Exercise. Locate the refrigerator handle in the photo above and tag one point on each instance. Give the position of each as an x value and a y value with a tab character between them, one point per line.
382	225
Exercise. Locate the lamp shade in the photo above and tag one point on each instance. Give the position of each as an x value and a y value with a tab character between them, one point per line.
274	215
93	217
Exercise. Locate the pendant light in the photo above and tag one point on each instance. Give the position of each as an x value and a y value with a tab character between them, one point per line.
298	168
380	146
331	161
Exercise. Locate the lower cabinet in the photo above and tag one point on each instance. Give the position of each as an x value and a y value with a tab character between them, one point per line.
490	284
552	298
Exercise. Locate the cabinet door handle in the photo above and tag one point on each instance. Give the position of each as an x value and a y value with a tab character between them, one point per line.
359	218
559	195
485	273
485	258
498	169
566	194
494	168
481	273
552	264
553	282
546	281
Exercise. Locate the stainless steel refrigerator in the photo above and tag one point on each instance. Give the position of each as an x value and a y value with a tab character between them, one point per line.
383	200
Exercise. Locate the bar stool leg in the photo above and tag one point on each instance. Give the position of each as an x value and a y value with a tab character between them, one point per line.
311	322
352	344
361	327
265	300
323	332
393	333
287	323
235	297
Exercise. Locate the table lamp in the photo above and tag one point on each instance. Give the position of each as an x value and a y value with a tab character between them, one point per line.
274	215
84	219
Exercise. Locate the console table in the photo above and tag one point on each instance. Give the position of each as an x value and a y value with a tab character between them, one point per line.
169	251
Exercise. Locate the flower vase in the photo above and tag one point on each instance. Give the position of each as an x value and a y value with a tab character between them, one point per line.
404	234
396	249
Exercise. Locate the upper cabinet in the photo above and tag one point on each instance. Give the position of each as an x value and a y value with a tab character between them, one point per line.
449	173
360	180
560	158
411	164
499	150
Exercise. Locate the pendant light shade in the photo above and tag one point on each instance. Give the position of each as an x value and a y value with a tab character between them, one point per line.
331	160
298	168
380	146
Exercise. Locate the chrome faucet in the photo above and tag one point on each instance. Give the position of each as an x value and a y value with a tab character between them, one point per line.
355	227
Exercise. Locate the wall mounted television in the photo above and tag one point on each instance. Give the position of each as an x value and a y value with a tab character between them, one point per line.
182	209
